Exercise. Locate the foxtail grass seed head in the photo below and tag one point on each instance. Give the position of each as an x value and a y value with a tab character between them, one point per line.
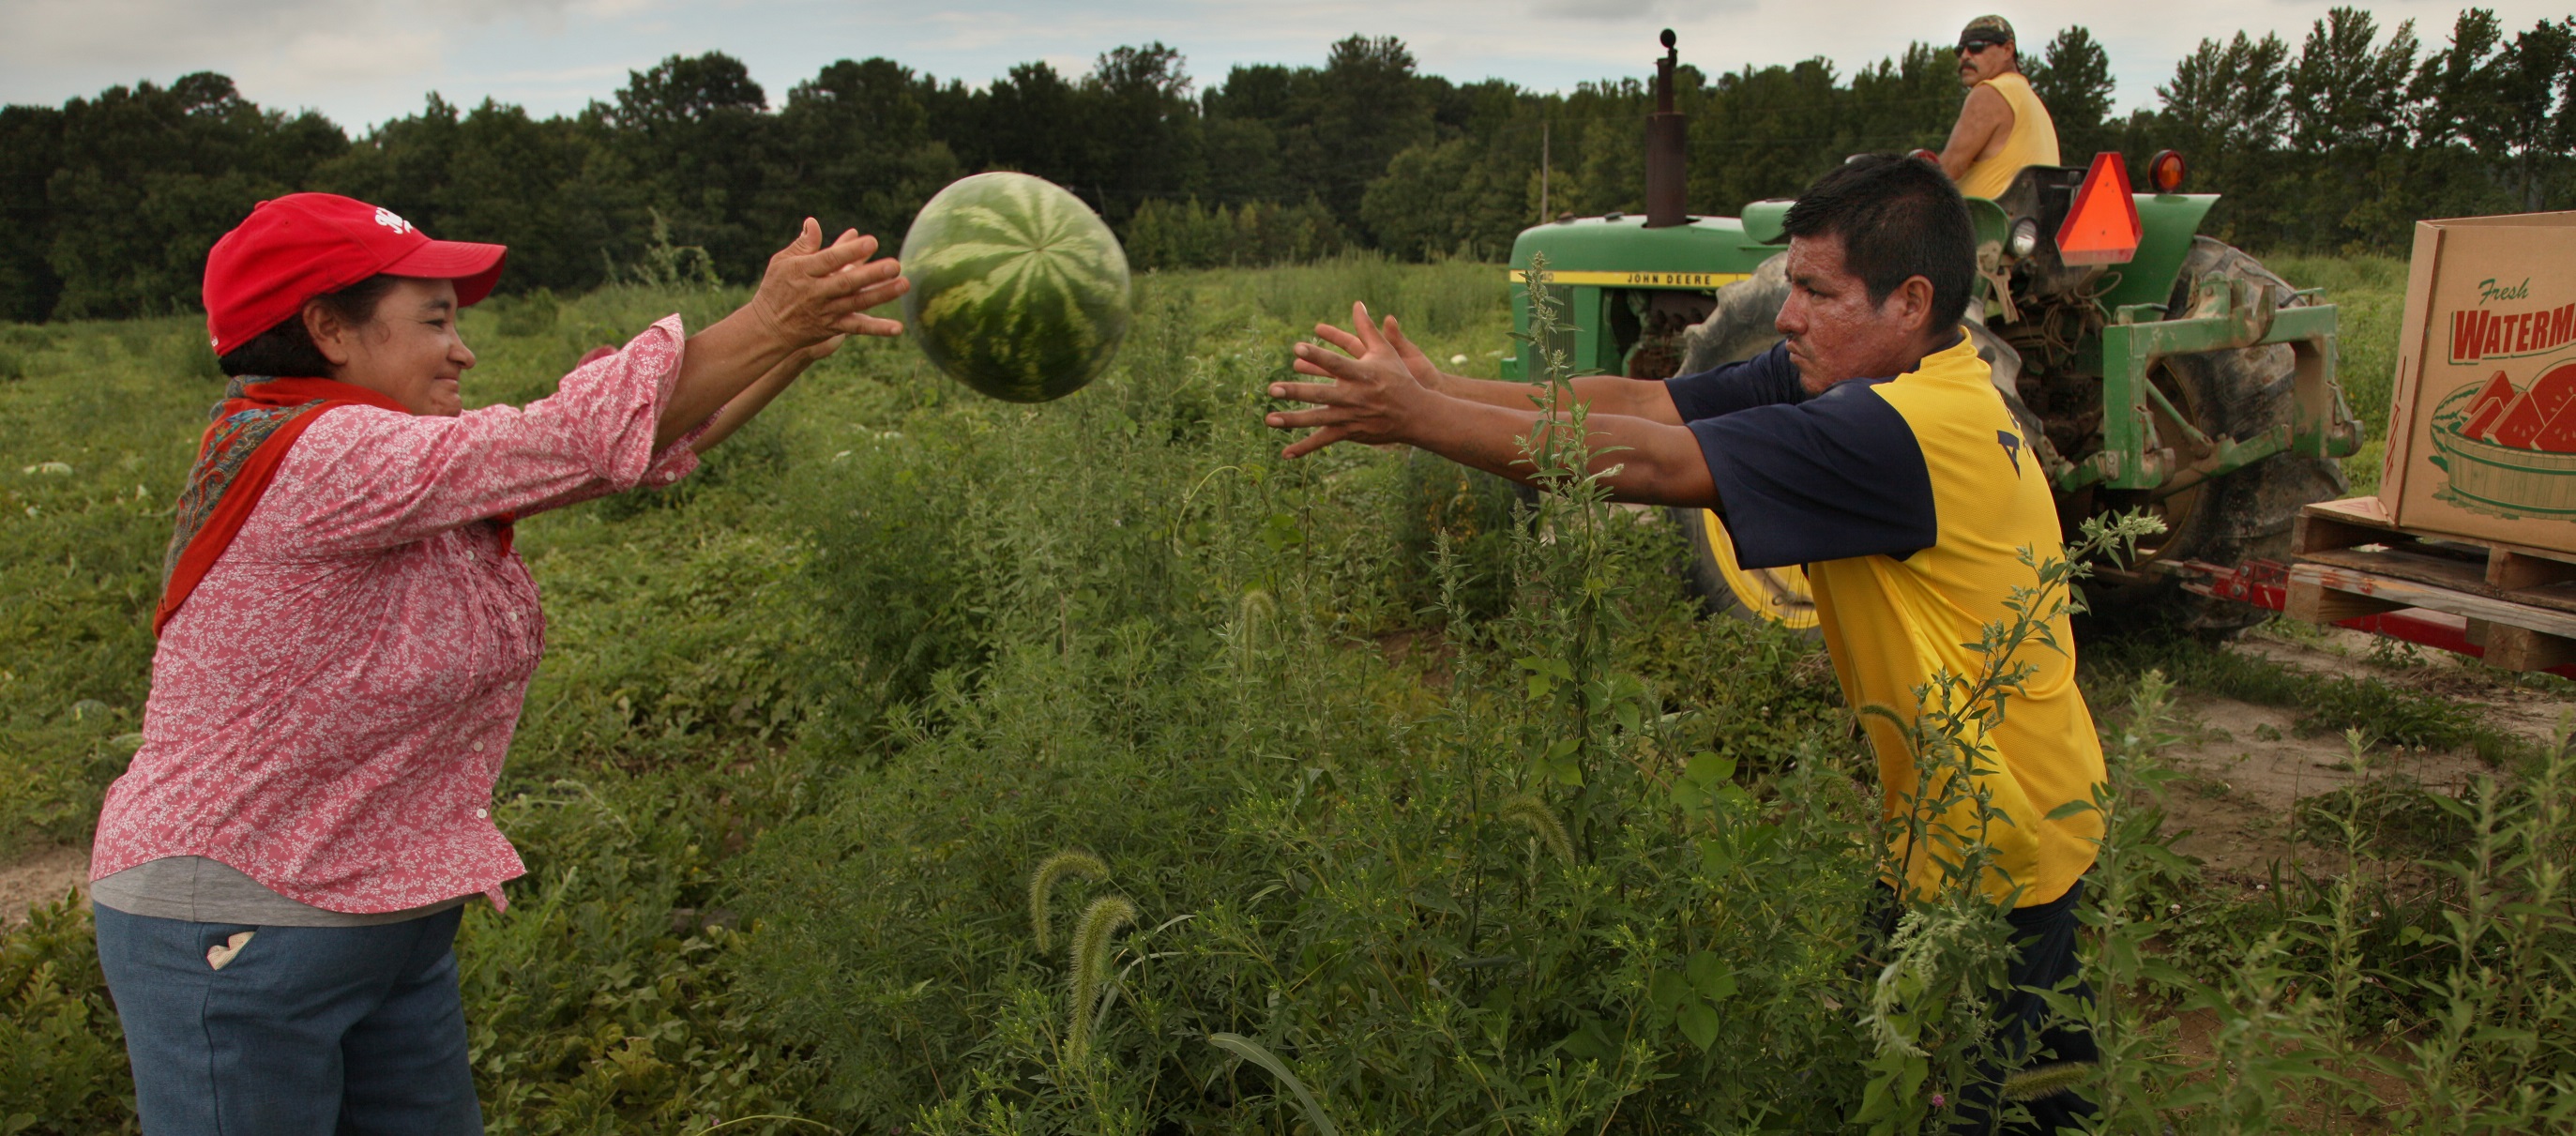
1099	924
2045	1080
1070	862
1253	615
1255	609
1528	811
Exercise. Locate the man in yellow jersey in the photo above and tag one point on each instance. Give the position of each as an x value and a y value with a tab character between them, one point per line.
2003	127
1869	446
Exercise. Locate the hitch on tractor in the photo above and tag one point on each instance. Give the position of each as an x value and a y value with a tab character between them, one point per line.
2238	314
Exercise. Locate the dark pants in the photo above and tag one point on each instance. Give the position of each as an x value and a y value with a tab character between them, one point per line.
304	1031
2043	958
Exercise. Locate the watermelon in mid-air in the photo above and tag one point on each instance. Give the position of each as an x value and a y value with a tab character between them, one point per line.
1018	289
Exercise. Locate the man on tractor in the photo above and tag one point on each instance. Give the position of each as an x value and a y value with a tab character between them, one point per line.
2003	127
1872	447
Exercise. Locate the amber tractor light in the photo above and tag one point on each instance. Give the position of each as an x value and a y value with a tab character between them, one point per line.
2165	171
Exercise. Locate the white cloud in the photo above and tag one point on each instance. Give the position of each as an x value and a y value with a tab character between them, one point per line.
1605	9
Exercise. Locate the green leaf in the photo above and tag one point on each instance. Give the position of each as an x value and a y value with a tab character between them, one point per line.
1252	1051
1756	840
1711	976
1716	857
1666	992
1708	769
1281	532
1699	1023
1589	1042
2070	808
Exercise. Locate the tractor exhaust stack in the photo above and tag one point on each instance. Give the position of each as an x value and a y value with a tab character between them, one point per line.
1666	186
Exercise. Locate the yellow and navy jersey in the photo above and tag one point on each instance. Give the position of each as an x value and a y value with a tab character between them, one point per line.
1910	501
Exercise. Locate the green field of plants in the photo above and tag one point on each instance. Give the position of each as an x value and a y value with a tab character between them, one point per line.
934	764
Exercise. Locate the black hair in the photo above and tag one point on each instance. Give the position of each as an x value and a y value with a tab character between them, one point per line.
287	350
1898	217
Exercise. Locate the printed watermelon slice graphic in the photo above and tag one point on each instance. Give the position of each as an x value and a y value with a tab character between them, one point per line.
2558	388
2489	407
2509	452
2532	413
2559	437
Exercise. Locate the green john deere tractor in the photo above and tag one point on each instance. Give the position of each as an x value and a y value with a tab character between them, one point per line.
2151	366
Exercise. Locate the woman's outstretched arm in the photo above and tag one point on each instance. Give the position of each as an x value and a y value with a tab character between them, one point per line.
810	293
757	396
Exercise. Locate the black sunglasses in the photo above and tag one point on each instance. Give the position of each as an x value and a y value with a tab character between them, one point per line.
1973	46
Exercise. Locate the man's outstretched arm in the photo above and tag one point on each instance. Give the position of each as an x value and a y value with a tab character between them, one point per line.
1374	398
1603	394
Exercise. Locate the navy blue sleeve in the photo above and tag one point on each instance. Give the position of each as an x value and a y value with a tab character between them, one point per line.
1836	476
1767	379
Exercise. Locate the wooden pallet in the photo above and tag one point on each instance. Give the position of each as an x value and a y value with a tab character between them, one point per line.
2519	601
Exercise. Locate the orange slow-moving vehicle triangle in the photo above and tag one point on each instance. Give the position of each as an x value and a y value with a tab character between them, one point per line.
2102	227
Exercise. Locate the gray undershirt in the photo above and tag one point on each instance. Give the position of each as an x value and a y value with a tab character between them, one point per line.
199	890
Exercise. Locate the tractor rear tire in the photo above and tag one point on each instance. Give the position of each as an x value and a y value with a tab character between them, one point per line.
1739	327
2248	514
1779	596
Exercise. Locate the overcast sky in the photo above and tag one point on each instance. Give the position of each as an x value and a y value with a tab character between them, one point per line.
361	61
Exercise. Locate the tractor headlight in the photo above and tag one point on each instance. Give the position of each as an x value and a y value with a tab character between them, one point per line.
2025	236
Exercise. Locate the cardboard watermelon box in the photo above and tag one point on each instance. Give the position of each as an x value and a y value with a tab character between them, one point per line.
2482	426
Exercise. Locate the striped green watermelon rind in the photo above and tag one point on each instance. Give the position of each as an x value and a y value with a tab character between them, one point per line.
1018	289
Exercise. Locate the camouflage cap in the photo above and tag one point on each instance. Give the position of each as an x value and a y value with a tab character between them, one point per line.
1985	30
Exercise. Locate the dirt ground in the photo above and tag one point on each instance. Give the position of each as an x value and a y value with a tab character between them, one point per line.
40	876
2248	767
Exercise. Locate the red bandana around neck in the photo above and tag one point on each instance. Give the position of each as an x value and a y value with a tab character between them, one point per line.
254	426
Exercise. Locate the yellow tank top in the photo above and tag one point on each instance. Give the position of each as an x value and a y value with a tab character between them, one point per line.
2033	141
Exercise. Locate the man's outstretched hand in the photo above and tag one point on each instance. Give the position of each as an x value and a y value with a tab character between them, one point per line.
1377	392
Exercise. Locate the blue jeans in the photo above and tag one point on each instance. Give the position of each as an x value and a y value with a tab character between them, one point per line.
303	1030
2043	958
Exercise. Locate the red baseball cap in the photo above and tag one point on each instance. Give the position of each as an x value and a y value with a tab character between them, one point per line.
303	245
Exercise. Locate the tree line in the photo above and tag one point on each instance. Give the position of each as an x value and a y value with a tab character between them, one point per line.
108	204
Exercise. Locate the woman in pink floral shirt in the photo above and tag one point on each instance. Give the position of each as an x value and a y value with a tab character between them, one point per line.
346	638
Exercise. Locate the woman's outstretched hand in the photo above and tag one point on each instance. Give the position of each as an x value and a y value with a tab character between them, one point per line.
812	292
811	295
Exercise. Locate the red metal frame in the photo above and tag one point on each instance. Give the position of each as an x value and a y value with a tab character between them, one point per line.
2266	584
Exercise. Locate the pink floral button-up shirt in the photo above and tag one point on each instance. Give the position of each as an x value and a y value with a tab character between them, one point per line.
330	708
